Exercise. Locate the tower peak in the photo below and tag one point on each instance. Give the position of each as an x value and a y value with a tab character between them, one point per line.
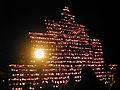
66	8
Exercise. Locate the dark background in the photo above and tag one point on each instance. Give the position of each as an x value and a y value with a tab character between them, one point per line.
19	17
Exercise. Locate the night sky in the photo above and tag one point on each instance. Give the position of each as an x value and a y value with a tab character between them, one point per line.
18	18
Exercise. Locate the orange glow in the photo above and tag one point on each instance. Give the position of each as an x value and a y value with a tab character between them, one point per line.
39	53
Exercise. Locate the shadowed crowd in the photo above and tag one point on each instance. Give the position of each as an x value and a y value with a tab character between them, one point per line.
88	81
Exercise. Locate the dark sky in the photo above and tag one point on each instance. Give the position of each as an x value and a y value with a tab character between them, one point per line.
18	18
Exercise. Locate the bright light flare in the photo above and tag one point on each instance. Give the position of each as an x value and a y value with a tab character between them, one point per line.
39	53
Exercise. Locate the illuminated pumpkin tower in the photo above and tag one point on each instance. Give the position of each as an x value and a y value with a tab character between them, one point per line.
68	48
23	77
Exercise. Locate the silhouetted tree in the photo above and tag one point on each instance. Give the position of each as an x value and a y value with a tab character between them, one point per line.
70	84
89	80
48	86
115	85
